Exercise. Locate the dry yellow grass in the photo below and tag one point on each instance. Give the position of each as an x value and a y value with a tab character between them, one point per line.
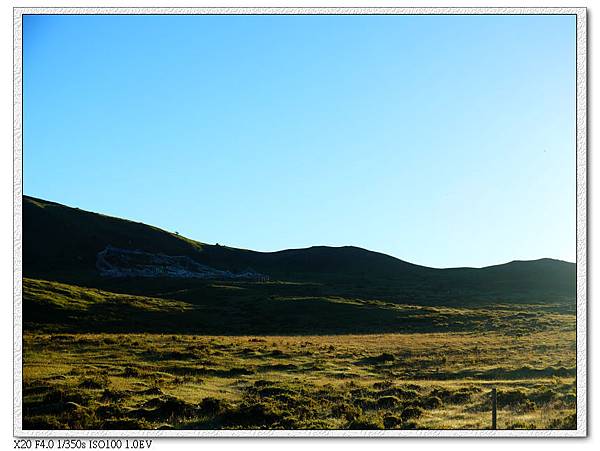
121	378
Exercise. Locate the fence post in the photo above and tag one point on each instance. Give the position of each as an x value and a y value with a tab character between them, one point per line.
494	405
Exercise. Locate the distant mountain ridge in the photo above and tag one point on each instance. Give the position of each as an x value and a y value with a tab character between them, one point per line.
62	243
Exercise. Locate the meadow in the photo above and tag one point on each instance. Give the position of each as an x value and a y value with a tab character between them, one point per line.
373	381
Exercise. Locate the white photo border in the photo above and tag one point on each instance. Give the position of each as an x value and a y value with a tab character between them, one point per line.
581	211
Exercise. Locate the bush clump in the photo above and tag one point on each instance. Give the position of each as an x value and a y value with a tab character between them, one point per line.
362	423
348	411
387	402
382	385
92	383
365	403
511	398
431	402
568	422
212	406
411	412
130	371
254	414
391	421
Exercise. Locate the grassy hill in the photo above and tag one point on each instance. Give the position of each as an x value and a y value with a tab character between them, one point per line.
60	238
61	243
251	308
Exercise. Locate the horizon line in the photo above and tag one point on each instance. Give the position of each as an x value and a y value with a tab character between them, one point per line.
176	234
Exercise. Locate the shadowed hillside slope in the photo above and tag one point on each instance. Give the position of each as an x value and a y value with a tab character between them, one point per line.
61	243
61	238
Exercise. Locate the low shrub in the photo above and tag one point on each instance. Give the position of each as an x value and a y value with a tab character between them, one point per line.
411	412
365	423
387	402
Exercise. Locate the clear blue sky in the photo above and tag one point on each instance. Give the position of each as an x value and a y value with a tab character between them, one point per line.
441	140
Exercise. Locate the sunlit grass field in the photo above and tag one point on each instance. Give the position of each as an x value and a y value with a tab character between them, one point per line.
375	381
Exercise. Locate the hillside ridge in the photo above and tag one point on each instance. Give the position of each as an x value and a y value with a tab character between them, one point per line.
62	243
317	247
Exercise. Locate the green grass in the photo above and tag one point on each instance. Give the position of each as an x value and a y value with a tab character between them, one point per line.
244	308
